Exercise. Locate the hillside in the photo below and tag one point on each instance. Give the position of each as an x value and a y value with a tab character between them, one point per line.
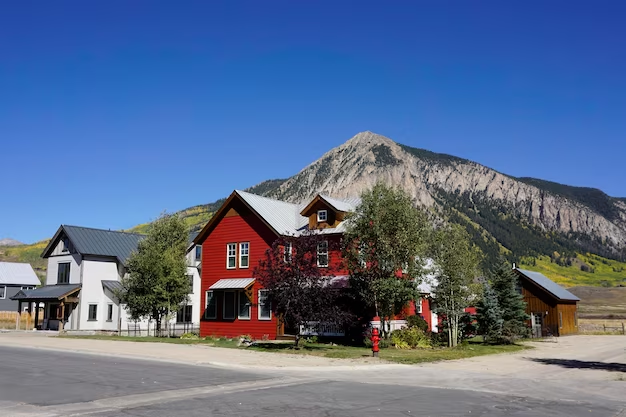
522	218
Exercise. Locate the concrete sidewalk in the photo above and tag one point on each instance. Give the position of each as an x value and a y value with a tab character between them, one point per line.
185	354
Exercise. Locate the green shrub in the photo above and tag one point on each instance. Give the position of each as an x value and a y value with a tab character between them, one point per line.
417	321
189	336
411	337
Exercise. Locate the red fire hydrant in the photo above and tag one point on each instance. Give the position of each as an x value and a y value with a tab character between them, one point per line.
375	339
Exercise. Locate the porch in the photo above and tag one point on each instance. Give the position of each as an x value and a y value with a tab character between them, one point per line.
58	302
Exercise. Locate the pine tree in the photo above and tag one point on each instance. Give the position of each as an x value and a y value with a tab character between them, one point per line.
504	282
489	315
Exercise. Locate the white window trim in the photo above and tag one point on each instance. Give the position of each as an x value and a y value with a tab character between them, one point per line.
259	317
318	255
228	256
4	293
287	254
206	305
89	311
235	305
240	255
28	287
418	307
325	219
239	295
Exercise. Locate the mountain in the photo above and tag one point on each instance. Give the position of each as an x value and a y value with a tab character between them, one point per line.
10	242
545	225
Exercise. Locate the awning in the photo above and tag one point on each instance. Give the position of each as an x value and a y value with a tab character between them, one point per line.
113	286
232	284
47	292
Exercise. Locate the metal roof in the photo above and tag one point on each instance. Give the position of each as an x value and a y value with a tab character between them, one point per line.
17	274
98	242
113	286
232	284
285	217
346	205
547	284
47	292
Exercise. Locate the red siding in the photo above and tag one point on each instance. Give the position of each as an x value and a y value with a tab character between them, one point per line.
246	227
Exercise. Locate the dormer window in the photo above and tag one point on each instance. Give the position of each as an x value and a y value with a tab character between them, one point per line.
322	215
198	253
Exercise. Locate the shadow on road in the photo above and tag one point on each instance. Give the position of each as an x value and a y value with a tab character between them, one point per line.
573	363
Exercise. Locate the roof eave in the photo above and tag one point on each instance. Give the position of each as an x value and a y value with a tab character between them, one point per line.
218	214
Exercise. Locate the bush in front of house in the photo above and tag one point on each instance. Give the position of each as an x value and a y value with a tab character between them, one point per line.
190	335
410	338
417	321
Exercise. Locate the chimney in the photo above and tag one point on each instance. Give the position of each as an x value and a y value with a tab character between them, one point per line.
513	265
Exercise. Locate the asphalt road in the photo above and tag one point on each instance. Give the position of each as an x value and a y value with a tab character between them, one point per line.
36	382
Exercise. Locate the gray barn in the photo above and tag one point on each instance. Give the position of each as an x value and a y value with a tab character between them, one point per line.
15	277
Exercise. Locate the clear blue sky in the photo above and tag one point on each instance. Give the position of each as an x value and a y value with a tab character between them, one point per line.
112	112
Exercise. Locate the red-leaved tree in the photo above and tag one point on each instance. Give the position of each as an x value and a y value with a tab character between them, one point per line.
301	293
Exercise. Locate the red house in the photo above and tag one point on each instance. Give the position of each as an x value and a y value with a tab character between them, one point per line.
234	241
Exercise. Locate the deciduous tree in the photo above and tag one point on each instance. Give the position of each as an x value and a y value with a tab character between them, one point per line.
156	283
384	248
456	260
301	293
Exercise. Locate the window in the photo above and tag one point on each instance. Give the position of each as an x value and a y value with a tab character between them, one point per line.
288	251
66	245
265	311
190	279
3	292
244	306
198	253
109	312
63	275
418	305
93	312
231	255
322	215
560	319
183	315
322	254
229	305
244	254
28	288
211	306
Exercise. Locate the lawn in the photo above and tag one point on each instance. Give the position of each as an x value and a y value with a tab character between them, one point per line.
409	356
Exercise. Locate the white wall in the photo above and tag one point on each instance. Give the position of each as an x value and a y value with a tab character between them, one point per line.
94	272
53	268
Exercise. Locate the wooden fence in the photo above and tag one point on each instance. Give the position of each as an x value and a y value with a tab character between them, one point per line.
600	326
9	320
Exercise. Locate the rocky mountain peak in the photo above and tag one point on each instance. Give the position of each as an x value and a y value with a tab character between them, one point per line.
10	242
442	181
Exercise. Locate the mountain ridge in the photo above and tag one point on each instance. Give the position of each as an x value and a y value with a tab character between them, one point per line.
522	218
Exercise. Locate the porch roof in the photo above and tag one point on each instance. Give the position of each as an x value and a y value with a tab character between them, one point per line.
47	292
232	284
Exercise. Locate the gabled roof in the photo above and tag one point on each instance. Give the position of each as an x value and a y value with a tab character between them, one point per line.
547	284
97	242
17	274
345	206
47	292
281	217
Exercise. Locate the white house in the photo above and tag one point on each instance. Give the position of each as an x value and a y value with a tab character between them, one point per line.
85	268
